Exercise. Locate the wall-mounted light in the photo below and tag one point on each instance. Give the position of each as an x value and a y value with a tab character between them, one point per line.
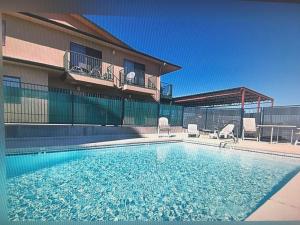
113	52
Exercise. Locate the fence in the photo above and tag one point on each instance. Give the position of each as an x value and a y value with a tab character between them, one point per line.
212	118
30	103
215	118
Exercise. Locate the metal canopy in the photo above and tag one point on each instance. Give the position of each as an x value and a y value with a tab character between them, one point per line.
239	95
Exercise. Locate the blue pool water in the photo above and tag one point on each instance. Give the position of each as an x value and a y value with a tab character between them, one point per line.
156	182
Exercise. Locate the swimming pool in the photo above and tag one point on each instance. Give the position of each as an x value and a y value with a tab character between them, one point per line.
149	182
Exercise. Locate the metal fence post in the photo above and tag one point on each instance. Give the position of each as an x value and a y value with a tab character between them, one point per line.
262	121
72	100
123	111
182	117
205	123
241	123
158	112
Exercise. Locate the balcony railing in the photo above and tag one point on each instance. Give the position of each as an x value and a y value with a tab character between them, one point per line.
87	66
133	78
166	90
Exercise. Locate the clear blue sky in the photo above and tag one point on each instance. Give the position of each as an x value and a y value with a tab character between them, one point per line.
221	46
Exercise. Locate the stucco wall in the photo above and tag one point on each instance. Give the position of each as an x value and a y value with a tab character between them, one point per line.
26	73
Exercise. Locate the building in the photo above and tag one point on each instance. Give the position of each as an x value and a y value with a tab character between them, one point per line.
68	51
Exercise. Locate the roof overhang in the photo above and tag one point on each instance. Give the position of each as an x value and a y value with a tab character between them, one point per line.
222	97
33	64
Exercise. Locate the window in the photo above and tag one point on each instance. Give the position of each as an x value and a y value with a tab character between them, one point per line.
3	32
79	56
138	69
12	89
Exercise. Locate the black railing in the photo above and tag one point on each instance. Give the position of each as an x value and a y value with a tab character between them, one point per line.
166	90
137	78
39	104
87	66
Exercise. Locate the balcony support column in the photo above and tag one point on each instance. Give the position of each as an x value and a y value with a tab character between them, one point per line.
258	104
242	111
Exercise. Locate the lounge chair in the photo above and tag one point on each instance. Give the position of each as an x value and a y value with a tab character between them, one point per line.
163	125
225	132
249	127
193	130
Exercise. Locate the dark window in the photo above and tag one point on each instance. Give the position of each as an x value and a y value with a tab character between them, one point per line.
138	69
3	32
85	57
12	89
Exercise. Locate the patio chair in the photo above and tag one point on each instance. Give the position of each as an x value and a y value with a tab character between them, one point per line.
108	75
193	130
130	77
163	125
76	69
249	127
225	132
96	72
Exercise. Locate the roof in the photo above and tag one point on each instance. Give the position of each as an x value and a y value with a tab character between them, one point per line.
221	97
82	17
168	67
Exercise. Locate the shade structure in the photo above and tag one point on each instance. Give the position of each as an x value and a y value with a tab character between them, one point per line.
239	95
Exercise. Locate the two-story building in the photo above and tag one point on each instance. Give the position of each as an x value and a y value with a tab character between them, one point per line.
70	52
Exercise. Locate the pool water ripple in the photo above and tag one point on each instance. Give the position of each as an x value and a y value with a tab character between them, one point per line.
158	182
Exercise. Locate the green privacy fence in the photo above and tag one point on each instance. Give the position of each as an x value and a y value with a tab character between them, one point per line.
28	103
95	110
140	113
147	113
58	106
173	112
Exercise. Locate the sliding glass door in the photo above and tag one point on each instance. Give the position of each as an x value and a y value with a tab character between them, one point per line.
138	69
84	57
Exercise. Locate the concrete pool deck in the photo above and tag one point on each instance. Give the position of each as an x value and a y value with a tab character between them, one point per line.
282	206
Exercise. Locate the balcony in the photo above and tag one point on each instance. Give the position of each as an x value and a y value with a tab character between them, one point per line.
84	68
166	90
133	82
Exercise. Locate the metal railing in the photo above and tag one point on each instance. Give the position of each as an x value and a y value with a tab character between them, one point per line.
136	80
87	66
166	90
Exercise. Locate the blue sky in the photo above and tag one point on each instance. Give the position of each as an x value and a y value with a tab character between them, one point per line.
221	45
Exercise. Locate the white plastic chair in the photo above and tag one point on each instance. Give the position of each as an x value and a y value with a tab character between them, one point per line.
163	125
130	77
249	127
193	130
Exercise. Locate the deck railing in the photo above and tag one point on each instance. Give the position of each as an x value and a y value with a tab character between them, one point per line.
87	66
166	90
139	79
